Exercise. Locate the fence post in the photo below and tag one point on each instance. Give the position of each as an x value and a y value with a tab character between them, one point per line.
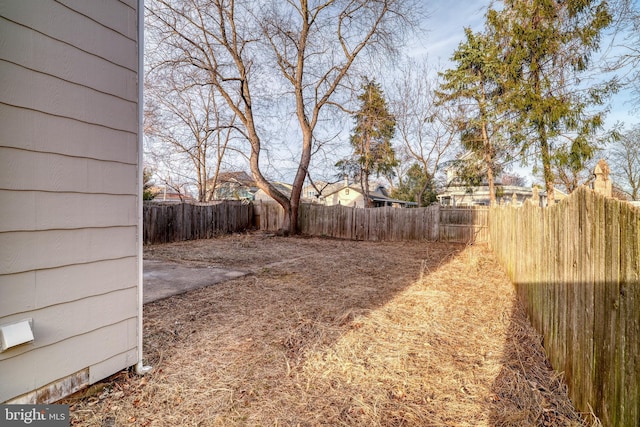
602	183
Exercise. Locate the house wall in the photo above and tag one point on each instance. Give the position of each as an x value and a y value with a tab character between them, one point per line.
261	196
479	196
345	197
69	193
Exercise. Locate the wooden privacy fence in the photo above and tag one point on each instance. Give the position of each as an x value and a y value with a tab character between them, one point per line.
376	224
171	222
464	225
576	267
163	222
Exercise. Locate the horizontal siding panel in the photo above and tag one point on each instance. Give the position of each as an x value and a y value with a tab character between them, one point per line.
62	321
34	290
110	13
33	210
54	134
32	250
26	47
17	293
58	173
56	390
63	24
42	366
41	92
112	365
131	3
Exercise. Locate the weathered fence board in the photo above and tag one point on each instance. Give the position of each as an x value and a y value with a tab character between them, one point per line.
163	222
576	266
381	224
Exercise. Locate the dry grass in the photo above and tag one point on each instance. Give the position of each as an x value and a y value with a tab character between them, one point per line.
336	333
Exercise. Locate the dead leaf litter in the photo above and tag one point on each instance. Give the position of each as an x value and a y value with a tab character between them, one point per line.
327	332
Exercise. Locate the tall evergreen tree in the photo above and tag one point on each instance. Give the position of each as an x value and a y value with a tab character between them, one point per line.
475	82
547	46
372	135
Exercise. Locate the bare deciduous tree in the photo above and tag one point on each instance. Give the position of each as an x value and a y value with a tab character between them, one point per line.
427	132
624	160
623	52
190	132
252	52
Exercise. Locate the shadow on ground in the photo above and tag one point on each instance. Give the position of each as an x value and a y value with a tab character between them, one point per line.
528	392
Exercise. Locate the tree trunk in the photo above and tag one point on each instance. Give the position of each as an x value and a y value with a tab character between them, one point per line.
298	182
364	184
488	149
420	194
488	156
546	165
261	181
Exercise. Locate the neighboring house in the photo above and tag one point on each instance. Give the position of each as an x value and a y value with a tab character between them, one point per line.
456	193
262	196
340	193
353	195
316	193
172	197
70	195
163	194
559	195
233	186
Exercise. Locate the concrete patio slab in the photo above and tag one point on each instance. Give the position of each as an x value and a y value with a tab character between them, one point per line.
163	279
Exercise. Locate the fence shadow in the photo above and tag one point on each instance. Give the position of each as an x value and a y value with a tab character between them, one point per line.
588	332
528	391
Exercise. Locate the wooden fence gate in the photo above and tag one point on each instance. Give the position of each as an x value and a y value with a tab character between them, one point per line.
464	224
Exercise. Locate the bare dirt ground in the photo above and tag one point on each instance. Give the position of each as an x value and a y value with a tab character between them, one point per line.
336	333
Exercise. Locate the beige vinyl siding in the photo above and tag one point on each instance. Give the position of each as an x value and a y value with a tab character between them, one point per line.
37	368
119	17
25	210
61	23
30	170
55	134
37	289
30	46
42	92
24	251
55	324
112	364
69	188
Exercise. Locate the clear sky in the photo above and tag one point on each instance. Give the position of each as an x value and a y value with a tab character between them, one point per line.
445	26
